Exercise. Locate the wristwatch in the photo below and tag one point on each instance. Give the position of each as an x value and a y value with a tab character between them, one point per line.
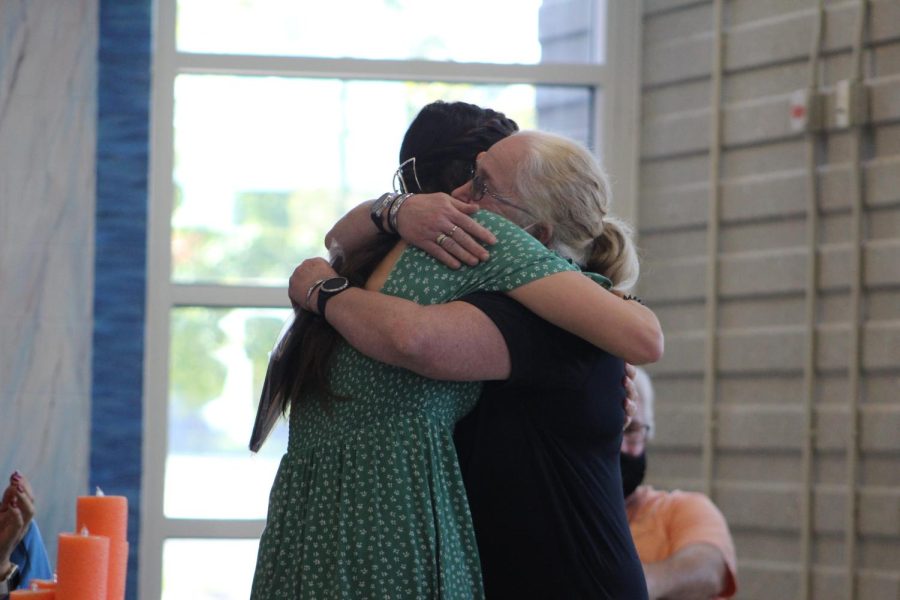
329	289
11	581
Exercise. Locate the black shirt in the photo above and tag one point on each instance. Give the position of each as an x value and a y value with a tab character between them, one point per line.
540	459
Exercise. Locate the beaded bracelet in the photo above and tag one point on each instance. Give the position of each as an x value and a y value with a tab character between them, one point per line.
378	207
395	208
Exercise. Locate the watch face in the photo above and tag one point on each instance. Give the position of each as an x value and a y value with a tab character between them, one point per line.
335	284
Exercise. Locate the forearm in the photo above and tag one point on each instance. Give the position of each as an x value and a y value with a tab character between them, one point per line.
696	572
641	332
380	326
352	231
573	302
454	341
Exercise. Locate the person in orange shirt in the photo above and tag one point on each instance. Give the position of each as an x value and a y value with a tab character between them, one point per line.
681	538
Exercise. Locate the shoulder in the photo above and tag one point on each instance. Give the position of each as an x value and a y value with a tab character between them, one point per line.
495	303
507	232
676	506
689	500
516	323
518	255
692	516
486	217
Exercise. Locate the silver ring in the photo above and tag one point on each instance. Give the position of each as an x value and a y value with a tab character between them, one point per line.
452	231
440	239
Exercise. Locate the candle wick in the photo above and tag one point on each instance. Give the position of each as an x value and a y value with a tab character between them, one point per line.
84	530
99	492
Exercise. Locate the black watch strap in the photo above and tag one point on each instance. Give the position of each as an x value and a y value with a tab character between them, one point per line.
329	289
11	582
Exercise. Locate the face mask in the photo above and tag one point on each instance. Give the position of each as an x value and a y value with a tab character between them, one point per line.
633	469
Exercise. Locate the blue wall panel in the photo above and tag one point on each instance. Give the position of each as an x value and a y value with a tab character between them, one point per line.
123	120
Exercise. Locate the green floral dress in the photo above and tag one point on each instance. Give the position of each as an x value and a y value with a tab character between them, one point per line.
368	502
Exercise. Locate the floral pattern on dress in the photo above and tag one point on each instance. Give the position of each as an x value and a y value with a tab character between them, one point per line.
368	502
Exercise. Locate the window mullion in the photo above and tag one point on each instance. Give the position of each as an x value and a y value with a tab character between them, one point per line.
391	70
229	296
212	528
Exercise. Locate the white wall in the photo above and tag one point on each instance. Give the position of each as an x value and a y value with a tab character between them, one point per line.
48	57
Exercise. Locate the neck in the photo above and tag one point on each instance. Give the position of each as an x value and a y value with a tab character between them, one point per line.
567	251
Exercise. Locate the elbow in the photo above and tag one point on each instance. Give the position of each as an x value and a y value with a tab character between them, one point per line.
414	348
656	346
408	346
649	347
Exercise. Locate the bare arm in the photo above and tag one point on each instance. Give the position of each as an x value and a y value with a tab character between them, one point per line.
457	341
696	572
454	341
353	231
422	218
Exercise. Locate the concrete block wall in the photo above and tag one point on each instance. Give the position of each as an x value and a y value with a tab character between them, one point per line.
753	462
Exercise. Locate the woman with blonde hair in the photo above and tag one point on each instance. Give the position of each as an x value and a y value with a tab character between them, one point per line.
369	501
539	453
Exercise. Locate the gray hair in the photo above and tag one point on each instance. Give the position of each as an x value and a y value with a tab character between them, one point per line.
644	388
561	183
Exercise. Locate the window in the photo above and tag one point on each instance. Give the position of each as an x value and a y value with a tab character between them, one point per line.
271	119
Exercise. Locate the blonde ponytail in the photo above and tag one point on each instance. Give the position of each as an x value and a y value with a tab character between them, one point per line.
614	254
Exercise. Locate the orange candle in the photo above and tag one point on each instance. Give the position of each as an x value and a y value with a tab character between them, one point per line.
32	595
42	584
82	566
118	569
103	515
108	516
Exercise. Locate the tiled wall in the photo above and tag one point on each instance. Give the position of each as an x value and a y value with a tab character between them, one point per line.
806	469
48	103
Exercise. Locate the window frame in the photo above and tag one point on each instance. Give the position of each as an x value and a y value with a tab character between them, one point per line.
618	79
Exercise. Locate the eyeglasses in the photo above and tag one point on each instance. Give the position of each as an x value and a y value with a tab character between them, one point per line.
399	181
480	188
636	434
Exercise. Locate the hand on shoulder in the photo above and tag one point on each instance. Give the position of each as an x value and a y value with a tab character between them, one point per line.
443	227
